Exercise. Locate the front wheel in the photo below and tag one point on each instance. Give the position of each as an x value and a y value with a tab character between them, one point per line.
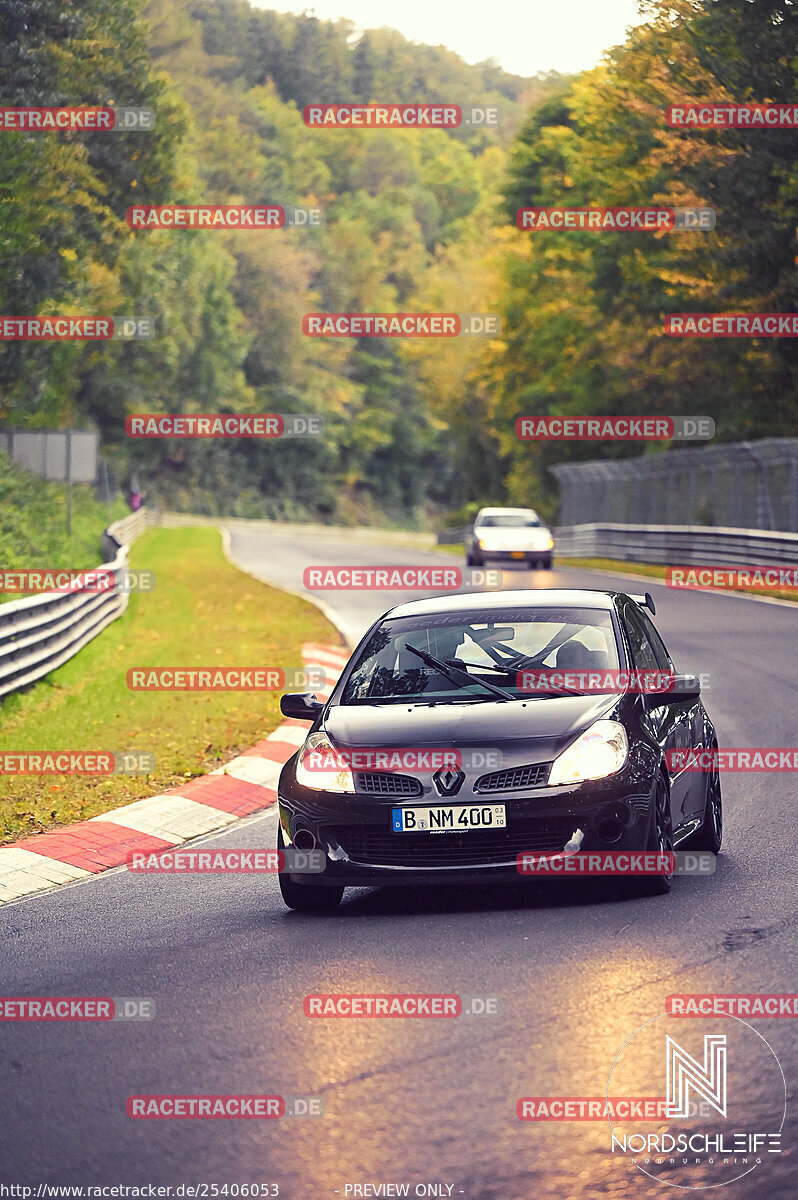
710	834
474	560
306	899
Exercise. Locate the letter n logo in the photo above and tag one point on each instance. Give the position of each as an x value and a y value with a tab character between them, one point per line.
684	1072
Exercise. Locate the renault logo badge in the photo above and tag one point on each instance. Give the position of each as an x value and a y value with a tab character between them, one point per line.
448	780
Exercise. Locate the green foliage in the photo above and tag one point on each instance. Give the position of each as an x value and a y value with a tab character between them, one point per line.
33	532
415	220
585	311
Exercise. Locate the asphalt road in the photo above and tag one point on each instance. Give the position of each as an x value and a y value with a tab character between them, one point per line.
576	968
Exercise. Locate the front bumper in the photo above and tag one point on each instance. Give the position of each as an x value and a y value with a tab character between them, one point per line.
354	831
513	555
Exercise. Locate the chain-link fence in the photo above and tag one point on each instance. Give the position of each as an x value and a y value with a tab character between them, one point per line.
743	485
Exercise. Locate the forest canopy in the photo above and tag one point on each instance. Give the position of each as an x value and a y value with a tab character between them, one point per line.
415	221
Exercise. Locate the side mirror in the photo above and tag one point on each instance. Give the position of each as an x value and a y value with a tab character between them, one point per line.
303	706
682	689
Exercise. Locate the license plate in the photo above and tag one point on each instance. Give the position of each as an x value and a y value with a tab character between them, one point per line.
517	554
457	818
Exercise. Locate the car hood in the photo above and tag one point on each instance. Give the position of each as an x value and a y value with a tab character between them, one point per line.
549	724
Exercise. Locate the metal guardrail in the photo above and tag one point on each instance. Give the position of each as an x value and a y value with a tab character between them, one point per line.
453	537
42	632
688	545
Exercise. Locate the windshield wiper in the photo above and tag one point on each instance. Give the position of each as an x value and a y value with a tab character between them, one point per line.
486	667
461	678
554	689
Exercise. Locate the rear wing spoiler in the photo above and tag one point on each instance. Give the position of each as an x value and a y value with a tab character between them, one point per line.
645	602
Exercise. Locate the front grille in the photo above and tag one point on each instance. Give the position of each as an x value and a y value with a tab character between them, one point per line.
370	844
514	778
376	783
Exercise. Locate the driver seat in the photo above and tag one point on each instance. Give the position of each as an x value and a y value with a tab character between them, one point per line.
574	656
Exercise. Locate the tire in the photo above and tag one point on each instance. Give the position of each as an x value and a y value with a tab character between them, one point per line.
474	560
547	563
302	898
710	835
660	839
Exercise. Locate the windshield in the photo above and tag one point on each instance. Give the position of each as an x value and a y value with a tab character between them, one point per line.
489	647
509	521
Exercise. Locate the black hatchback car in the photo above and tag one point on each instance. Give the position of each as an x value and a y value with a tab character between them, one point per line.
435	760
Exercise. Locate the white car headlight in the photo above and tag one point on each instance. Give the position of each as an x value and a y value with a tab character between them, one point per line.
600	751
322	768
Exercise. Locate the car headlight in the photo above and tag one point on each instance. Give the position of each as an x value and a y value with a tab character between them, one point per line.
321	768
548	542
481	543
600	751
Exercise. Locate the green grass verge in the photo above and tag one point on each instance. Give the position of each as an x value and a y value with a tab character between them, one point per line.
203	612
654	571
33	532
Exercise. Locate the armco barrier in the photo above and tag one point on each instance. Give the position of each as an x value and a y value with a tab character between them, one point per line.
689	545
41	632
453	537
